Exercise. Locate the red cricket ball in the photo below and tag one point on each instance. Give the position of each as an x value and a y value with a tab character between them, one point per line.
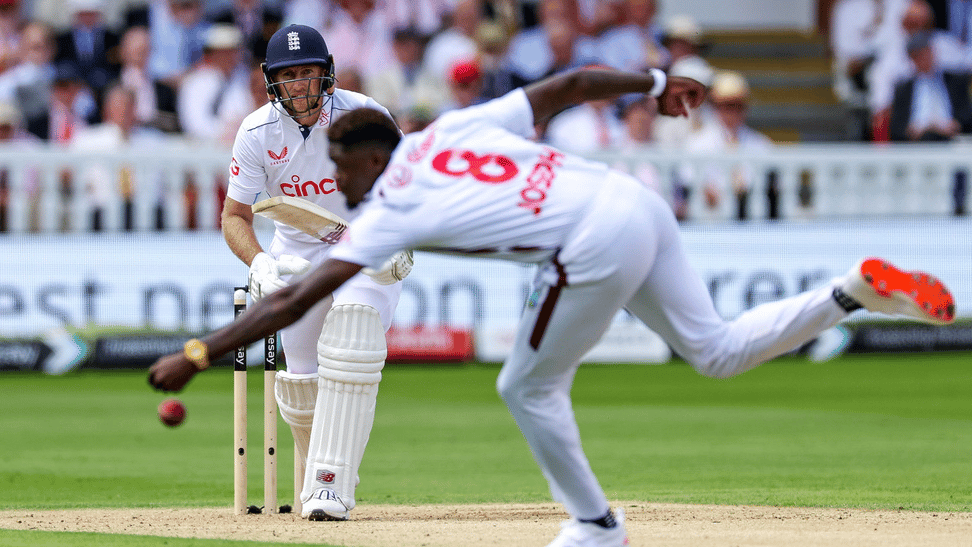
172	412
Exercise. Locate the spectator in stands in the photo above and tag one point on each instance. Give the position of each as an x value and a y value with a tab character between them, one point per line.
70	107
205	88
350	79
178	32
364	36
589	127
934	105
530	54
416	119
10	25
155	101
425	16
954	17
606	16
207	91
728	132
90	44
638	113
313	13
66	109
498	79
634	44
457	42
565	48
682	38
893	63
854	33
256	20
27	84
12	126
118	131
402	84
584	14
13	136
240	102
676	133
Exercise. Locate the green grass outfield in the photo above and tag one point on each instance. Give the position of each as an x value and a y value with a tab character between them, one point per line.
862	431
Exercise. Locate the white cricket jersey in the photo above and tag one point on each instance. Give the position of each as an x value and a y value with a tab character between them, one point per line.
471	184
271	155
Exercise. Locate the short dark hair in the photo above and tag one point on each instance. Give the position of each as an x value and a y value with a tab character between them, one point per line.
364	126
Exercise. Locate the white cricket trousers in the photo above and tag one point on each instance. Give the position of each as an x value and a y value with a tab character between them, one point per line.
299	340
655	283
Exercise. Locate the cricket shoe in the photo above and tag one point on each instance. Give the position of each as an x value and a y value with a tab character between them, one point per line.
575	533
879	286
324	504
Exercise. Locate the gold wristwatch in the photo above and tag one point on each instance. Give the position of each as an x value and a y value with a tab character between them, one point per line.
197	353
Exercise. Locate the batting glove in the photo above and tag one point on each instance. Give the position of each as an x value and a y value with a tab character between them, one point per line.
265	273
393	270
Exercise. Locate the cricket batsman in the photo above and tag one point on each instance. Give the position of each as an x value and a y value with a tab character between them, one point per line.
281	149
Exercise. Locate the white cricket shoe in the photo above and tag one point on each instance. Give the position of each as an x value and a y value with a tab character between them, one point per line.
881	287
574	533
324	504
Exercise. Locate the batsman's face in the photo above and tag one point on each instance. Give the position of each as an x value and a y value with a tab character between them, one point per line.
356	170
300	87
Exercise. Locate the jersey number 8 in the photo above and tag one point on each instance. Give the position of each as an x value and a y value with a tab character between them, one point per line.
489	168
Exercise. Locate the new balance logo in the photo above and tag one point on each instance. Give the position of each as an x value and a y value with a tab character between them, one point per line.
325	476
293	41
282	155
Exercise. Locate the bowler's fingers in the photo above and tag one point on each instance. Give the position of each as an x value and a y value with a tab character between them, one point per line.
673	104
681	95
695	95
171	373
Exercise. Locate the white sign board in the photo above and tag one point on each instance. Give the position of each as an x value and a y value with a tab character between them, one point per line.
185	281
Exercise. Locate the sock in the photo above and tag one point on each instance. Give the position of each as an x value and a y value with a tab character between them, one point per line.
607	521
846	302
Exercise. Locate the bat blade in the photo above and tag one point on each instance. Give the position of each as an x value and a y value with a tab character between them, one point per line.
307	217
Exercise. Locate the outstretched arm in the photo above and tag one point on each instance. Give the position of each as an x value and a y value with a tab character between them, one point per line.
550	96
273	312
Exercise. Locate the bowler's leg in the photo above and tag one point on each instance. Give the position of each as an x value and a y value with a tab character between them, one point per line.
675	303
555	332
535	384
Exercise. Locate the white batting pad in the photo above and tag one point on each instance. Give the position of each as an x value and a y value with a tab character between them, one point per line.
351	353
296	397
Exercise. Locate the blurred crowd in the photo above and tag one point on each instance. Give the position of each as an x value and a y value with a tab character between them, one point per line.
96	75
191	67
132	74
903	67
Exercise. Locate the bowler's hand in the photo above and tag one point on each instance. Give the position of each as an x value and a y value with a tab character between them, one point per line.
172	372
680	95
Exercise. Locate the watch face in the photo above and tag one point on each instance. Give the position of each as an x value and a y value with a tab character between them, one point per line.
196	352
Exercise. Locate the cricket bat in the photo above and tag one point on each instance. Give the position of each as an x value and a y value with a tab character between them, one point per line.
307	217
